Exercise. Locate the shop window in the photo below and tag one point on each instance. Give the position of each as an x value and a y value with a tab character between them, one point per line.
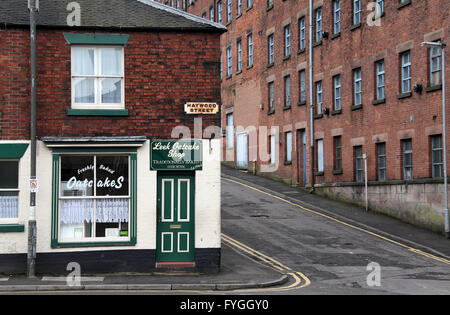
94	198
9	189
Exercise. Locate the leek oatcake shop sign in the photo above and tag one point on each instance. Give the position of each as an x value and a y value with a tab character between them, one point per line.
176	155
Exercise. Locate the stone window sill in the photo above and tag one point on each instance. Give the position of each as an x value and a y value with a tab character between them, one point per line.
404	95
379	101
433	88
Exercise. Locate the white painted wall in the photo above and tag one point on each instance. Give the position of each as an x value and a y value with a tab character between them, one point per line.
207	202
16	242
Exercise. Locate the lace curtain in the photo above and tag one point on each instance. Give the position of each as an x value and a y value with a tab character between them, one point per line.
9	207
75	211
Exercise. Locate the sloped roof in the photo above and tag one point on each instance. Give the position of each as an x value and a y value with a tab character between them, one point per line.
108	14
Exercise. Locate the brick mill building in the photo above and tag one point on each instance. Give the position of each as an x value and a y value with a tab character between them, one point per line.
118	189
372	90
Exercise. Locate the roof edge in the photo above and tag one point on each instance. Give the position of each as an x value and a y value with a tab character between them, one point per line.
186	15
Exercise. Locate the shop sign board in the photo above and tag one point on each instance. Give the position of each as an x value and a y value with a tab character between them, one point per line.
176	155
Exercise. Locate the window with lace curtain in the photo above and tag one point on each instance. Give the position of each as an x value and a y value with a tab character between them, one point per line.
9	189
94	197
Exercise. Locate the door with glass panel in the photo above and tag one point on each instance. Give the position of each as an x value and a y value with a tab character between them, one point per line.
175	216
94	198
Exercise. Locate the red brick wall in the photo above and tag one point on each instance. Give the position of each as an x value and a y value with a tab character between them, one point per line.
163	71
361	47
14	84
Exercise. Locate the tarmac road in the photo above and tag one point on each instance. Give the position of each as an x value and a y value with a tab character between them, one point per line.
335	256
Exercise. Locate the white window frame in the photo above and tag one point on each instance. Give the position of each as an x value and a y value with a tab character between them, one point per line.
319	97
336	16
271	49
357	12
97	76
287	40
239	55
318	15
219	12
302	33
357	77
337	92
435	53
406	65
250	49
229	62
381	79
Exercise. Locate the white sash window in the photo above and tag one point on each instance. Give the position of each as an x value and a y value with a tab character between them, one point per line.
97	77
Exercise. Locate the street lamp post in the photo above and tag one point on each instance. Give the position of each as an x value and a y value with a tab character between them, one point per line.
444	131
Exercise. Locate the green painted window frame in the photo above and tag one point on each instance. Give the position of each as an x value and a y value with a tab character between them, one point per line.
57	152
11	228
98	112
96	39
12	150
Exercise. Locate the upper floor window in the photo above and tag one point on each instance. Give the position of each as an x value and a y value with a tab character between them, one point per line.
302	33
239	7
336	16
271	96
318	25
229	11
287	91
319	97
380	6
229	62
435	66
357	12
337	92
219	12
287	41
379	68
405	71
271	49
239	55
211	14
250	49
357	83
97	77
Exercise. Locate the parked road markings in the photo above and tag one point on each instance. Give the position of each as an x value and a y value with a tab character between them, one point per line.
300	280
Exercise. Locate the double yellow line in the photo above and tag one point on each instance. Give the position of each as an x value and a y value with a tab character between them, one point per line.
300	280
412	249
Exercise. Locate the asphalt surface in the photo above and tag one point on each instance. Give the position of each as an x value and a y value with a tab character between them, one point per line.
332	243
276	240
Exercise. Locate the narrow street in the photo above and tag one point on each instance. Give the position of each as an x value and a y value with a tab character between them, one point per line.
331	254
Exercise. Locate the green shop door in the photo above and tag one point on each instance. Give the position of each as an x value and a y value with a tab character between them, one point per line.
175	215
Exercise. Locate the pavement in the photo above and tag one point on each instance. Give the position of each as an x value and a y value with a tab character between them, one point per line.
237	272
